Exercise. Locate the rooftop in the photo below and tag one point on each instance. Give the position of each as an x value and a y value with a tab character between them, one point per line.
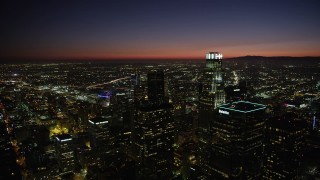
214	55
241	106
149	105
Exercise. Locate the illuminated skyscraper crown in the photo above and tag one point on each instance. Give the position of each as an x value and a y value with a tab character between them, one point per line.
214	55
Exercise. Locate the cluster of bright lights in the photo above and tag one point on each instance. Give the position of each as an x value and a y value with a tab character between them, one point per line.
102	122
106	94
214	55
223	112
63	140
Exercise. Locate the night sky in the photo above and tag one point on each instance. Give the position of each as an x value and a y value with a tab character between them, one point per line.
159	28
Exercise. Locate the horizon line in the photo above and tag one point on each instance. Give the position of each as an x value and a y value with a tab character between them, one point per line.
133	58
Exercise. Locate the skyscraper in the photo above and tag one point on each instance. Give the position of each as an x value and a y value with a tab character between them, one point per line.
237	92
153	134
102	141
212	94
284	146
155	85
65	153
236	146
139	93
154	138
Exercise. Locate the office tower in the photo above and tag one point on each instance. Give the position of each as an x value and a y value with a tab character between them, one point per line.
212	94
138	93
65	154
210	97
153	133
9	168
236	147
102	141
237	92
154	138
83	110
135	79
285	136
155	85
213	82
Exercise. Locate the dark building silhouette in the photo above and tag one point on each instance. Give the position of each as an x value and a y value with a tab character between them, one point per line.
135	79
154	138
155	85
9	169
284	146
236	93
153	132
102	140
236	146
65	154
139	93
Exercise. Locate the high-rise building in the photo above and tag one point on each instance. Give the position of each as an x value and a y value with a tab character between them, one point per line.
153	132
236	145
99	127
65	153
285	137
135	79
155	85
138	93
212	94
237	92
154	138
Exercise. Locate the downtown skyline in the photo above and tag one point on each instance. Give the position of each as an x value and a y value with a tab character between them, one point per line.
159	29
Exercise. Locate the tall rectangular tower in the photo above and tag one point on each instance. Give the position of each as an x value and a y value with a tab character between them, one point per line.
154	138
285	137
213	82
65	153
212	94
153	132
237	141
102	140
155	85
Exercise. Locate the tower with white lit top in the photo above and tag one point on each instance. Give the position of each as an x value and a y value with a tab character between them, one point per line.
65	153
212	94
213	82
102	140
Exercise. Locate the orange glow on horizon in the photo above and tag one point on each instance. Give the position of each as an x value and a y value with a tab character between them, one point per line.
228	52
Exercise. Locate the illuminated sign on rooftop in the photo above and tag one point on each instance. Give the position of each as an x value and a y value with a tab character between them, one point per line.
223	112
240	106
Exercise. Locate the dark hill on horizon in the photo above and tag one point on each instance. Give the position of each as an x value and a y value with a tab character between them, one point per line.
277	60
282	58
